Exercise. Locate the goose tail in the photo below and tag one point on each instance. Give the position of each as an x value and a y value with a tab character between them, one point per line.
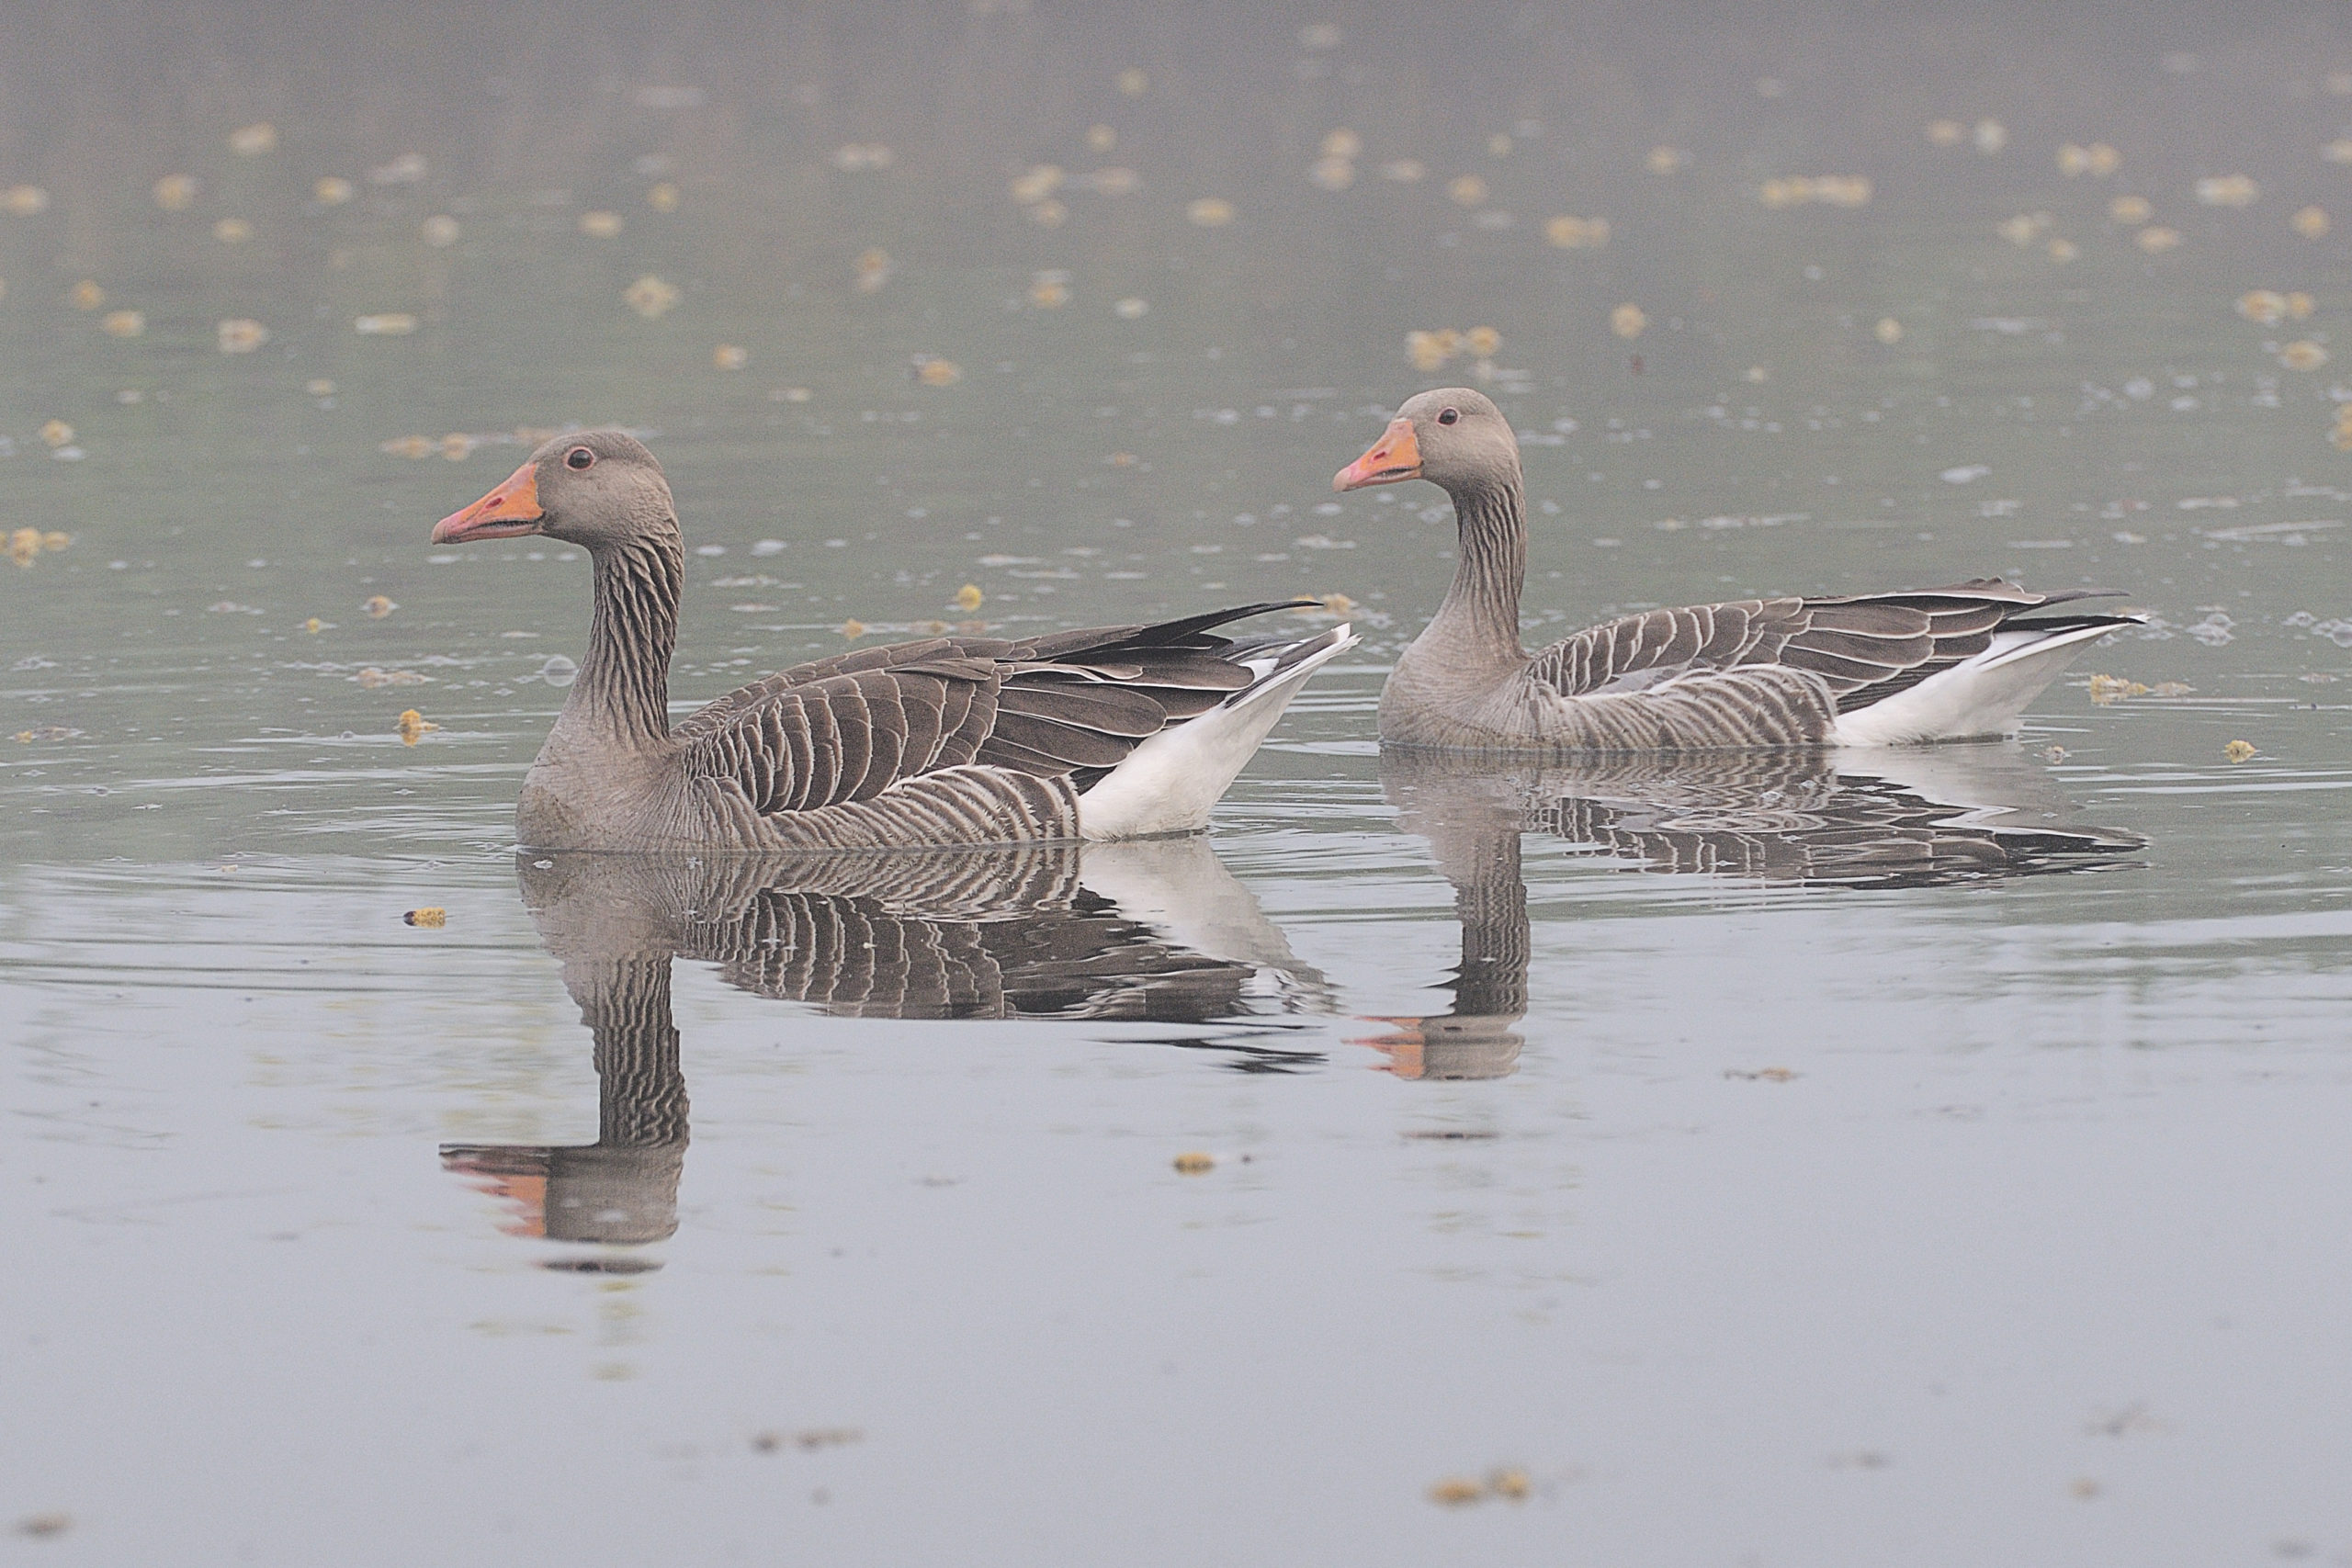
1983	697
1168	783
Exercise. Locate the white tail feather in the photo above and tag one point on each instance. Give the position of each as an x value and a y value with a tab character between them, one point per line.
1168	783
1975	698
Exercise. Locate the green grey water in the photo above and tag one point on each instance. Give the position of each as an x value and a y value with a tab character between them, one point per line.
1934	1157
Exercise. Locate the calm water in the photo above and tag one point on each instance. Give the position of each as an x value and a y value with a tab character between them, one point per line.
1926	1158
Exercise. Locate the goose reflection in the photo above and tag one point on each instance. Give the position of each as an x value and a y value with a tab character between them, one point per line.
1919	819
1149	931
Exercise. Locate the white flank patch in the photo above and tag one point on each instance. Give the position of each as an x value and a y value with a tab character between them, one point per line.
1168	784
1975	699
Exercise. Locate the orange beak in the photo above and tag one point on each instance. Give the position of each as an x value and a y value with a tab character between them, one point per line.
1395	456
513	508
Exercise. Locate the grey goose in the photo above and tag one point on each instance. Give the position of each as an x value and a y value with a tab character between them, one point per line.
1110	732
1950	663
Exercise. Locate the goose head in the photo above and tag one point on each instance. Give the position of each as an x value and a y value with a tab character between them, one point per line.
1453	436
596	488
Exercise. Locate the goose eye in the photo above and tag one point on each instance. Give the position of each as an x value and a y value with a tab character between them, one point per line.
578	457
1449	416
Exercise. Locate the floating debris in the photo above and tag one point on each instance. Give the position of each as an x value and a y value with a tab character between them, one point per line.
1333	175
1050	290
2302	354
24	544
2156	239
1456	1492
432	916
408	446
650	298
1762	1075
662	197
175	193
1832	191
729	356
41	1526
1578	233
1037	184
390	324
1947	132
2098	160
1627	321
1209	212
2024	228
1130	310
1466	191
123	323
372	678
2054	753
2238	750
24	201
376	606
56	434
1335	604
2263	306
413	727
2171	688
1342	144
405	170
2131	210
332	191
873	270
933	371
859	156
2063	250
600	224
240	334
458	447
252	140
968	598
233	230
440	230
46	732
1663	160
1194	1162
2310	221
853	629
87	295
2107	689
319	387
1889	331
315	625
2227	190
1510	1483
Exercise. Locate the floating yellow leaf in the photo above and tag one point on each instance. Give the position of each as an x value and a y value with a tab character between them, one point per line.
1210	213
2298	305
332	191
650	298
123	323
2106	689
413	727
873	270
175	193
2227	190
2156	239
87	295
2238	750
233	230
2262	306
1578	233
662	197
458	447
968	598
24	544
1665	160
240	334
1511	1483
1037	184
1466	191
729	356
391	323
440	230
319	387
1332	173
853	629
2302	354
2063	250
1342	144
408	446
431	918
1050	290
2131	210
1889	331
1483	342
1130	310
600	224
1456	1491
1194	1163
1947	132
2310	221
376	606
56	434
935	372
1627	321
252	140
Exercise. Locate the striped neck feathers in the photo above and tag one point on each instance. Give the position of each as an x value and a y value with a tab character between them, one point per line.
1479	623
623	690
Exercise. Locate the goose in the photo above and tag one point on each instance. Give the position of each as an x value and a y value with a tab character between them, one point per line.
1949	663
1112	732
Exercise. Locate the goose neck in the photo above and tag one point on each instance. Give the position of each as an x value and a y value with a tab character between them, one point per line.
1479	623
623	690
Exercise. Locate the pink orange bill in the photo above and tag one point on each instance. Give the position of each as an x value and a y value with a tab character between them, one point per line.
1395	456
513	508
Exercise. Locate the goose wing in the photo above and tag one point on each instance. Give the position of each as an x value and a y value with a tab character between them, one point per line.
1864	646
845	728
